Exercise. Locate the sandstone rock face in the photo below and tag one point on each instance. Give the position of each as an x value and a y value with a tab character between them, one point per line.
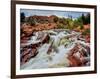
77	56
27	30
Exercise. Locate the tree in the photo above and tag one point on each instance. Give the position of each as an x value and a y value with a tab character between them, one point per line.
83	19
88	18
22	17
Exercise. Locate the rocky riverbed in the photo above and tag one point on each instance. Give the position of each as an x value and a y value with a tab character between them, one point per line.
54	48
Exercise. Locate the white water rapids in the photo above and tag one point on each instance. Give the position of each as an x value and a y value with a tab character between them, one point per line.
56	59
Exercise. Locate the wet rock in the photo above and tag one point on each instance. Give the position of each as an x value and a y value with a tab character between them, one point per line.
27	54
74	61
78	56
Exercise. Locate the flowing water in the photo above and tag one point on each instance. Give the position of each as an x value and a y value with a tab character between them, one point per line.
62	42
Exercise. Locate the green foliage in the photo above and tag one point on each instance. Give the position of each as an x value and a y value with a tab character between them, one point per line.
61	26
62	21
56	19
82	20
65	23
78	23
31	21
70	23
86	32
